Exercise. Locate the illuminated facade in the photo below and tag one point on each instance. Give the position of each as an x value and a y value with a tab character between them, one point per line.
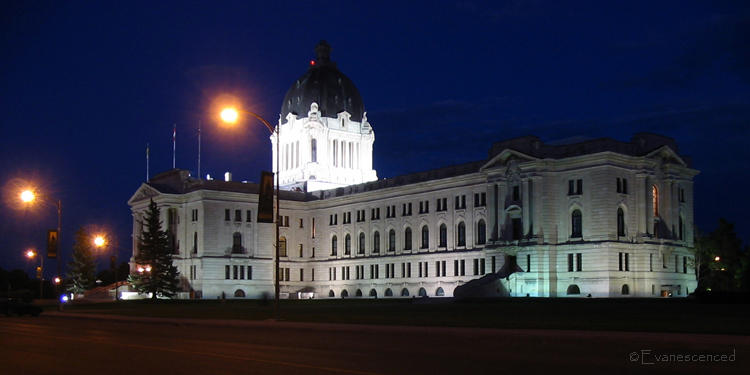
602	218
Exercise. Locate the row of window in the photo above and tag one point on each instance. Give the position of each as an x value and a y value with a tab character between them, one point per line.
439	292
481	239
423	270
228	215
480	200
238	272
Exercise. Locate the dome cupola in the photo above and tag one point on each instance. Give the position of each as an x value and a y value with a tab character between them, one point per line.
325	85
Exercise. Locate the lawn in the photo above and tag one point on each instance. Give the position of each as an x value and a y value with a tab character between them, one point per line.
651	315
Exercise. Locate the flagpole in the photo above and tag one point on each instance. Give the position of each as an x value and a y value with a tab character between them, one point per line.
199	149
147	161
174	146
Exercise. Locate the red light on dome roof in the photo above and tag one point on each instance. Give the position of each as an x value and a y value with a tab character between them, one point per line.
312	62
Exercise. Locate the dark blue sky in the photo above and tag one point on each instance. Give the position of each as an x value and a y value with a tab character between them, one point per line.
83	88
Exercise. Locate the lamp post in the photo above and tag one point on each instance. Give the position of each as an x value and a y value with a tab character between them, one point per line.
101	241
231	115
28	196
31	254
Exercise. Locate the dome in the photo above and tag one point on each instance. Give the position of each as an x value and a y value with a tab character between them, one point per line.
326	85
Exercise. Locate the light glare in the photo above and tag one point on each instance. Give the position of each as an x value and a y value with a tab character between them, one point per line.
27	196
229	115
99	241
30	254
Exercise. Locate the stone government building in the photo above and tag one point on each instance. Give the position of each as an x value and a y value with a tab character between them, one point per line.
603	217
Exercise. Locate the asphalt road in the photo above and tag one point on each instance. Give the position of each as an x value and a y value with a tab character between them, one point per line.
65	345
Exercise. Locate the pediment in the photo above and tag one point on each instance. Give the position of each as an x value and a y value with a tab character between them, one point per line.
505	158
144	192
666	156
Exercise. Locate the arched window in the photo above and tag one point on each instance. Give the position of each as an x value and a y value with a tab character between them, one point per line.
314	150
655	199
376	242
331	294
361	249
620	222
407	238
333	245
239	293
425	237
404	292
282	246
440	292
373	293
358	293
391	240
461	241
344	293
388	292
237	243
481	232
422	292
575	224
625	289
573	289
443	236
348	245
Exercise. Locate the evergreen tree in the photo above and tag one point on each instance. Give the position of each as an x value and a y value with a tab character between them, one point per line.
82	269
155	253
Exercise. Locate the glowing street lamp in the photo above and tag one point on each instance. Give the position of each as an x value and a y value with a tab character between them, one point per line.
717	259
100	241
27	196
231	115
30	253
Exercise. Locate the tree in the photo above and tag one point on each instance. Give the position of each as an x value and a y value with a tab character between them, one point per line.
159	276
82	269
722	265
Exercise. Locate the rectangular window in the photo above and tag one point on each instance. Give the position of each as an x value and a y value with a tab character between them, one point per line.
437	268
226	215
651	262
403	269
463	267
627	262
676	260
312	274
426	272
234	272
242	272
249	272
455	267
301	251
620	261
482	268
619	185
237	215
301	223
579	186
579	262
516	193
443	267
420	268
624	185
301	274
248	216
194	215
570	262
226	272
571	187
476	266
493	264
684	264
287	274
528	263
408	269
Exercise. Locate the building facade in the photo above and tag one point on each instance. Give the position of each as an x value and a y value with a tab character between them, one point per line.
600	218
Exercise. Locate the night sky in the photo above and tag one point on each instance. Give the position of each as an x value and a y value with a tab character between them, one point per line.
84	87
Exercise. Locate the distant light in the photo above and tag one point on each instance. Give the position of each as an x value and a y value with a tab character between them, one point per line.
148	268
27	196
57	280
312	62
64	298
140	269
30	254
229	115
718	258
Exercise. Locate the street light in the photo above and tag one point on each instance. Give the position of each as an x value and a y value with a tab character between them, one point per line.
100	241
30	253
231	115
29	196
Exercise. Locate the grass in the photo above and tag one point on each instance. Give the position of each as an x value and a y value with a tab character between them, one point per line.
650	315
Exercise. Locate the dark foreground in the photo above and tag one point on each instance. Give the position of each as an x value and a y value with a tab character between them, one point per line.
65	345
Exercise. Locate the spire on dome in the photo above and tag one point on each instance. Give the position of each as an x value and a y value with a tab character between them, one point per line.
323	52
